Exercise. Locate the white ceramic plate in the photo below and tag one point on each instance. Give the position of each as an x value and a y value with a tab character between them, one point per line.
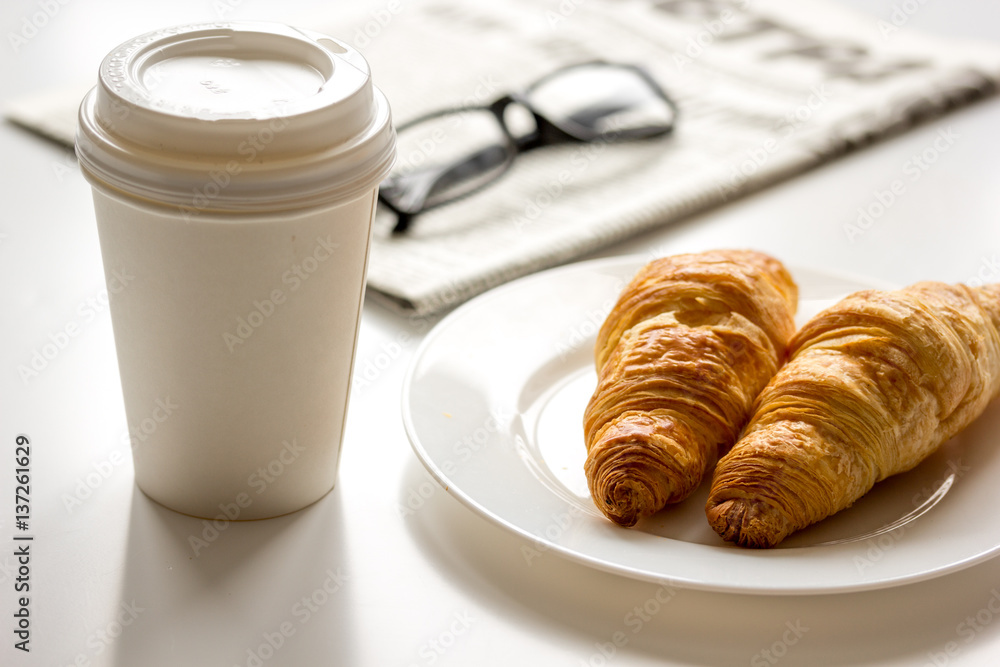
493	405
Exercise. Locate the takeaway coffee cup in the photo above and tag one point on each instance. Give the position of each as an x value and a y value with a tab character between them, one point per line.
235	168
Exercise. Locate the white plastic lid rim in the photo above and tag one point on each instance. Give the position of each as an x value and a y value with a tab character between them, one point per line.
236	117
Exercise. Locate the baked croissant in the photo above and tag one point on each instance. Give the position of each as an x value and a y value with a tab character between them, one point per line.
680	359
874	384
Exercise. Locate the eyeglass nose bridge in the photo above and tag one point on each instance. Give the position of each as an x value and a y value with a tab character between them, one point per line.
544	133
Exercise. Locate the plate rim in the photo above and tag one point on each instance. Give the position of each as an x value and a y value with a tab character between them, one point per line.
679	581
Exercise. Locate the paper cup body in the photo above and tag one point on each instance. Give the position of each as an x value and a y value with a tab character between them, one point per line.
235	170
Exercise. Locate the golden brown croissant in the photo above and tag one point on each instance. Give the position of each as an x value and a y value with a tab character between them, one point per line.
874	384
680	359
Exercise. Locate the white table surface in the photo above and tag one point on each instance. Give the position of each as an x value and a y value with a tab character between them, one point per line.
437	586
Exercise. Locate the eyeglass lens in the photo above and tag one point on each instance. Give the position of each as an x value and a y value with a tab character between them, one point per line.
449	155
444	157
602	100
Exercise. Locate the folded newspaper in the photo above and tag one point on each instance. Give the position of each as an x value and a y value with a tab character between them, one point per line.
765	90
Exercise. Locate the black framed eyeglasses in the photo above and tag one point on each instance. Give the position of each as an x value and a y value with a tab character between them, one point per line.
450	154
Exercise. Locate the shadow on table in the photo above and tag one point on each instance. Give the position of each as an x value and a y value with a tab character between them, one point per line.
197	592
609	617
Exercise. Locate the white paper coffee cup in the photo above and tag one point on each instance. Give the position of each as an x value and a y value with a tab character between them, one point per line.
235	168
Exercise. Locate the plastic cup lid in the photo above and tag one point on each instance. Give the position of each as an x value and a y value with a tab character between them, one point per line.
236	117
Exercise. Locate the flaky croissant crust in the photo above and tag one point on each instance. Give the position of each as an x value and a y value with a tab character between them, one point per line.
874	385
680	358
